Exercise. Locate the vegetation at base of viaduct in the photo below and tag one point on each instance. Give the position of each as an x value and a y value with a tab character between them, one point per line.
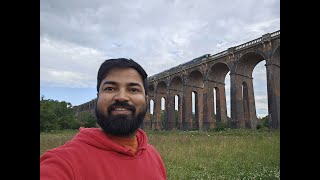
56	115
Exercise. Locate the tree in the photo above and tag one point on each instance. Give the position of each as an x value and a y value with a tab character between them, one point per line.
86	119
55	115
262	123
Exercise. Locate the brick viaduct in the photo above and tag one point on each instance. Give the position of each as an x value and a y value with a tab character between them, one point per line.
205	75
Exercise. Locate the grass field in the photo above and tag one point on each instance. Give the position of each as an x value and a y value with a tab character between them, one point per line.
229	154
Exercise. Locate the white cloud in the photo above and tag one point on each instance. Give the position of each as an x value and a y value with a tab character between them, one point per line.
54	78
260	102
64	64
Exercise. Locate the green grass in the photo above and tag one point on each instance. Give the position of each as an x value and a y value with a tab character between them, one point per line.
230	154
55	139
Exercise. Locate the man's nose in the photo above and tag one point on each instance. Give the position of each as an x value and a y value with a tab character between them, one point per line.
121	95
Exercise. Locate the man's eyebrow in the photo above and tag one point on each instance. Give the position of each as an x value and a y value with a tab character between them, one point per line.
110	82
114	83
134	84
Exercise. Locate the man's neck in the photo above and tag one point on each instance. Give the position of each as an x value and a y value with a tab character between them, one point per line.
133	135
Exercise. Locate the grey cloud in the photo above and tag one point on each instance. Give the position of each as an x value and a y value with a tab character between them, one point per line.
97	24
76	35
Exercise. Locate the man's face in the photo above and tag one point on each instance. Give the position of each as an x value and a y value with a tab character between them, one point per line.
121	103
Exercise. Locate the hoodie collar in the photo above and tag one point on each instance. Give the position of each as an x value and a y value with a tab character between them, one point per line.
97	138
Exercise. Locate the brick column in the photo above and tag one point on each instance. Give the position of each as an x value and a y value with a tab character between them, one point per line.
157	111
273	84
208	98
187	108
222	103
147	119
171	111
200	108
237	117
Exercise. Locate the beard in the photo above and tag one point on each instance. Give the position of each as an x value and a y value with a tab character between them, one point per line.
120	125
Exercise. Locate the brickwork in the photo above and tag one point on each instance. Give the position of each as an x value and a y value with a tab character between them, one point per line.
206	74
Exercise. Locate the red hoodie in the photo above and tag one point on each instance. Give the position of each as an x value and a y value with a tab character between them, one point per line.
91	155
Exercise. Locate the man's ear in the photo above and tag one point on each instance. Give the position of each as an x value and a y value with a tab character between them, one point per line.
147	97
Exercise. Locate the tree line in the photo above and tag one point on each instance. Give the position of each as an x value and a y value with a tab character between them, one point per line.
58	115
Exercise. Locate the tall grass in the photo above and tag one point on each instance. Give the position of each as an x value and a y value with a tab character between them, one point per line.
229	154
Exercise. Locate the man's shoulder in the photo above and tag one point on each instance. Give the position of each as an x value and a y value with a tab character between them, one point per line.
67	149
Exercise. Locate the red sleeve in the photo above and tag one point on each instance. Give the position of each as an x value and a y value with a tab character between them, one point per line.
54	167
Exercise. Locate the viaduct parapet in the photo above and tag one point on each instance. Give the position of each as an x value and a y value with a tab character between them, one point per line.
205	76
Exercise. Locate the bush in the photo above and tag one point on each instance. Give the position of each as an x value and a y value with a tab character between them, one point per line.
263	123
55	115
221	126
86	119
163	120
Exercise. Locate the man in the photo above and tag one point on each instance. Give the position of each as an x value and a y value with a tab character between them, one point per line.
118	149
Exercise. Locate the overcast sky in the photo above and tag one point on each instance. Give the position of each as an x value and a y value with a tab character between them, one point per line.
76	36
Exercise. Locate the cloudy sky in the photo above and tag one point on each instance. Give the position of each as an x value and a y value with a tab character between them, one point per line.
76	36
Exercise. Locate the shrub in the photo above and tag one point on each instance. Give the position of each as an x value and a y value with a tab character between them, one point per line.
221	126
86	119
263	123
55	115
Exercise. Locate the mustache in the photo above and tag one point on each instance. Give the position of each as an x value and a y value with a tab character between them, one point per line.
121	104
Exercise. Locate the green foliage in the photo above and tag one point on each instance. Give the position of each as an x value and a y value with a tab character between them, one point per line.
162	119
176	117
152	120
86	119
221	126
263	123
55	115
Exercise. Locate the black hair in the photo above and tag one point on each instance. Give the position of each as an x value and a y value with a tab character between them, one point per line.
109	64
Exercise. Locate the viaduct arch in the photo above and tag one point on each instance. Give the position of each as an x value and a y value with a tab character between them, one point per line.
205	76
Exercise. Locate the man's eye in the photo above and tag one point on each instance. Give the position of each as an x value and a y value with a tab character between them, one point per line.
134	90
109	89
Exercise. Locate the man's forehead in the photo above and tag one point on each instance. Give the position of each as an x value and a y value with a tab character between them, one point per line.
116	70
134	76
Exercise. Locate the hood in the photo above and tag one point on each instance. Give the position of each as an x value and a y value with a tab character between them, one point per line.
97	138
